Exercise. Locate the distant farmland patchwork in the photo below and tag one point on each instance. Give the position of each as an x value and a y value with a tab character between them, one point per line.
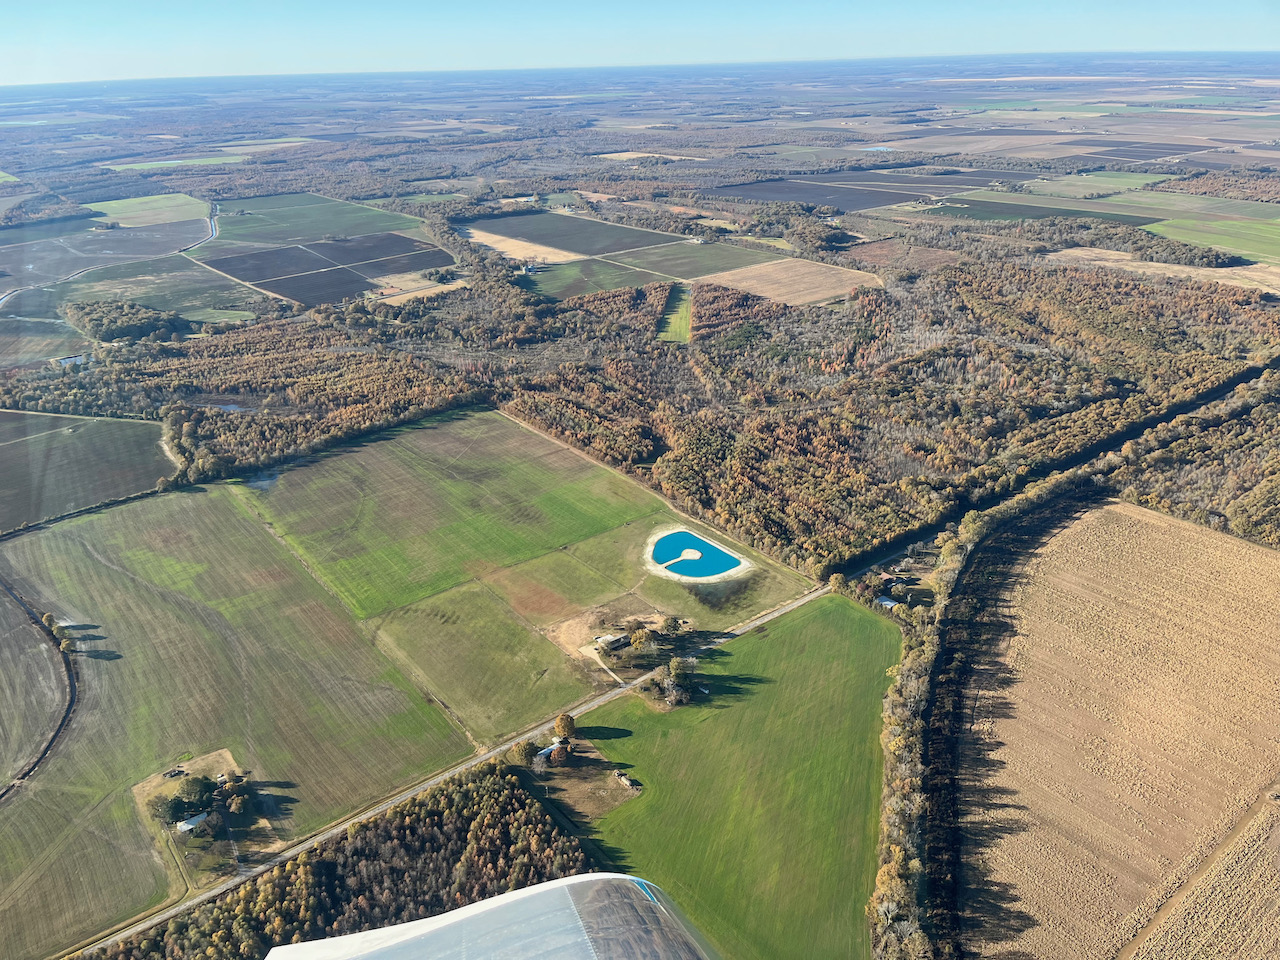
1135	729
760	804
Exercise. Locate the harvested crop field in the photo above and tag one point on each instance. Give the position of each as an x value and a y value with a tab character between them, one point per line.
520	249
1125	725
24	342
324	286
795	281
32	688
687	261
149	211
564	280
52	465
588	238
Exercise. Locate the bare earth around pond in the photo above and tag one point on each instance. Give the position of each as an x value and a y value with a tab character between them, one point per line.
1137	730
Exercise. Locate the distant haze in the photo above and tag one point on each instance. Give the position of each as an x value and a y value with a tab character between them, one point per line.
76	40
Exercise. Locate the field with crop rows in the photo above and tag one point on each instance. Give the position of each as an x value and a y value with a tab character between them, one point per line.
1134	729
51	465
31	689
563	280
795	281
295	218
687	261
198	632
24	342
760	803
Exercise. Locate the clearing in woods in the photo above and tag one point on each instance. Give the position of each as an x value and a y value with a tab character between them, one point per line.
149	211
795	281
760	801
677	320
1128	726
198	631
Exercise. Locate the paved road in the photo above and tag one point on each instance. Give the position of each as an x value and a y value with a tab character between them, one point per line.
340	828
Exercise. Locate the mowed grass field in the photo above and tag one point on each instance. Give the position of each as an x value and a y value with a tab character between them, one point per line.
294	218
468	543
182	162
677	319
1091	184
175	283
199	632
149	211
52	465
1129	726
31	687
1255	239
759	810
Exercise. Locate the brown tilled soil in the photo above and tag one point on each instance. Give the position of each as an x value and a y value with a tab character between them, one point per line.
895	253
1130	721
795	281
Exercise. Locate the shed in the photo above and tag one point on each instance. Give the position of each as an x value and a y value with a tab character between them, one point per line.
186	826
887	602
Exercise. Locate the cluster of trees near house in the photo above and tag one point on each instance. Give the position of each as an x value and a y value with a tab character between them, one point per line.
475	836
815	434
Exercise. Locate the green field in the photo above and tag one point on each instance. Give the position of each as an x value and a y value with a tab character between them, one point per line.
24	342
202	633
7	177
30	689
51	465
167	283
185	162
1257	240
494	672
677	320
563	280
1145	203
1087	184
148	211
688	261
295	218
760	804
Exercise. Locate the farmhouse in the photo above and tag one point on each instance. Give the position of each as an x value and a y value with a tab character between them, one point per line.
611	642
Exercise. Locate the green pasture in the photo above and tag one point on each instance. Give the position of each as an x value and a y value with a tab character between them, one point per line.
199	631
759	805
676	325
553	586
1083	185
688	261
970	208
296	218
175	283
495	673
1147	203
426	509
24	342
148	211
51	465
1257	240
7	177
563	280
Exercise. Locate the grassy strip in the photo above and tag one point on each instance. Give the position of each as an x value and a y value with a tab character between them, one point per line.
677	320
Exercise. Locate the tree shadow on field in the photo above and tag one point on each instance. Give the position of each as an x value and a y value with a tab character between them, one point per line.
271	799
970	813
101	655
726	689
601	732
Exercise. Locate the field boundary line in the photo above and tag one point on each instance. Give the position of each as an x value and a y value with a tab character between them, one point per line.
1187	886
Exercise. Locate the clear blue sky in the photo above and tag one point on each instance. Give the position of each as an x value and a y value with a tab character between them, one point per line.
49	41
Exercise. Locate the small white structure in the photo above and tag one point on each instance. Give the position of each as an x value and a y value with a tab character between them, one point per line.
186	826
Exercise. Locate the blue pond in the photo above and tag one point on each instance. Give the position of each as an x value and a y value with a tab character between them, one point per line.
712	559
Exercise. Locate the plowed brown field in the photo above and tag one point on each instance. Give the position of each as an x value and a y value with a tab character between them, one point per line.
1138	726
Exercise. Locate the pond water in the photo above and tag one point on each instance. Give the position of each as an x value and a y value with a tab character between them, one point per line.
689	555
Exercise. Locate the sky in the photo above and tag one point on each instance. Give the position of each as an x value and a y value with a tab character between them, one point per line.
52	41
